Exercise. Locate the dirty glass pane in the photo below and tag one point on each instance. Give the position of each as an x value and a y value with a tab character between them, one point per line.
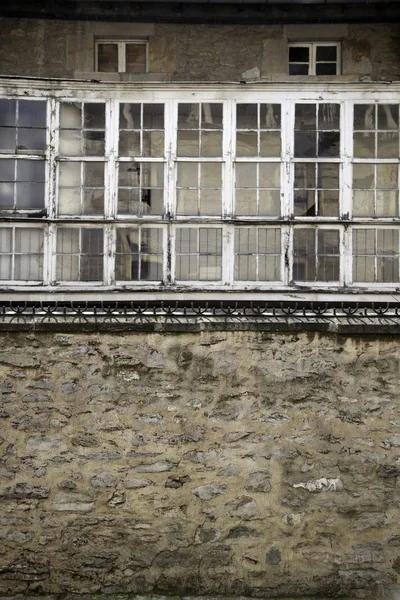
328	116
299	54
210	202
93	174
8	112
70	115
153	143
93	143
364	145
388	145
30	195
246	175
364	116
187	202
363	176
107	58
364	241
69	201
188	174
210	175
269	175
328	255
387	203
304	175
92	202
363	203
8	139
188	143
328	203
245	240
94	115
325	69
211	116
328	268
387	241
245	202
247	116
387	269
329	144
7	170
270	143
388	116
129	143
153	116
129	116
127	254
305	117
326	53
328	176
305	144
139	260
246	267
387	176
186	240
298	69
69	174
210	267
210	240
5	240
30	170
28	254
70	143
364	268
269	268
31	139
246	143
270	116
304	203
188	116
31	113
211	143
135	58
269	203
304	255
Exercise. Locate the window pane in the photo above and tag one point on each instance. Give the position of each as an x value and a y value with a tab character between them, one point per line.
388	116
8	112
135	58
364	116
247	116
326	53
31	113
298	69
107	58
299	54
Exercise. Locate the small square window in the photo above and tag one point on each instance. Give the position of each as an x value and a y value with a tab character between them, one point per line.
314	58
115	56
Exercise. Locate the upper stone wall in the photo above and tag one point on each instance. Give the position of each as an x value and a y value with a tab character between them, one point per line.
49	48
239	463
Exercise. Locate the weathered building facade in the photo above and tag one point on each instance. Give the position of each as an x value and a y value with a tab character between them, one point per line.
200	266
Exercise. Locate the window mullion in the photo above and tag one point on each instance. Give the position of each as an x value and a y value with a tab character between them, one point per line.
229	128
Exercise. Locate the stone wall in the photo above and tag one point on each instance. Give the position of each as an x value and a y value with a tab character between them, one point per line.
243	463
49	48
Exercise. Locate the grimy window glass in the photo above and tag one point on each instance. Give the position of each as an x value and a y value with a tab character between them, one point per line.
246	190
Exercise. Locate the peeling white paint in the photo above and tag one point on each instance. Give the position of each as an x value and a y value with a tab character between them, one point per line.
331	485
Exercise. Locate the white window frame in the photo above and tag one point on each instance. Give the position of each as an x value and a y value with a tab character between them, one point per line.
121	45
312	62
285	95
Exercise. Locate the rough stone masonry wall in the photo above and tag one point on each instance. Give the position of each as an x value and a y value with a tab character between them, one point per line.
243	463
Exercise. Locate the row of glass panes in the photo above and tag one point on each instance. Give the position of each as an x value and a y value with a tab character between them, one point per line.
199	188
82	128
198	254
